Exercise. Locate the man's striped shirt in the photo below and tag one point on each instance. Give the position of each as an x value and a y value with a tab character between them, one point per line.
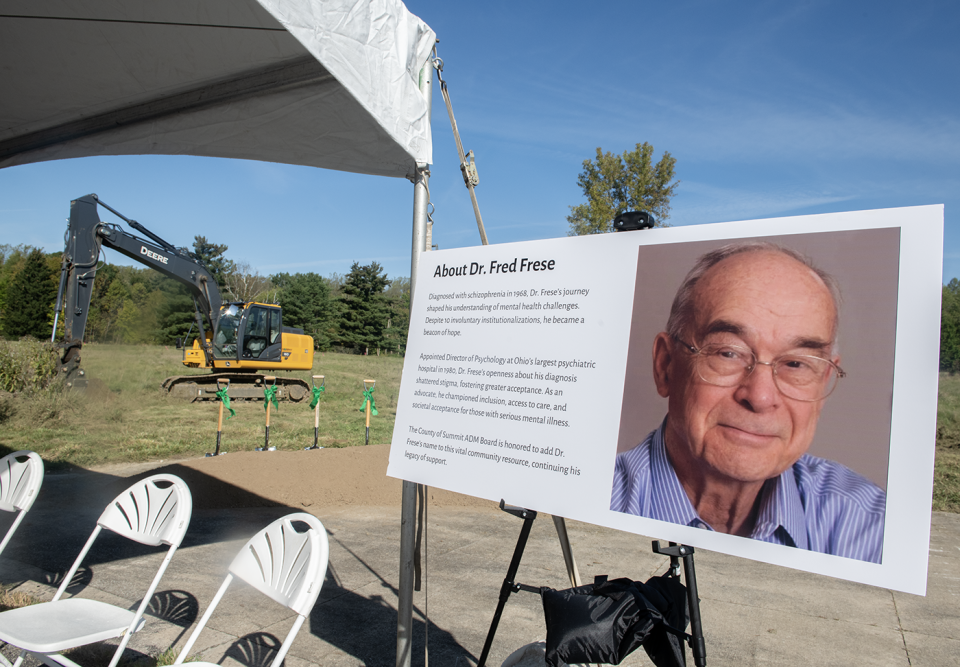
816	504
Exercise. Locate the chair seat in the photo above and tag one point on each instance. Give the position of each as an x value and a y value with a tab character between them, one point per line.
51	627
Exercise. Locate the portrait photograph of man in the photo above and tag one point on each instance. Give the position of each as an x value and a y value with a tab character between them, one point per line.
757	397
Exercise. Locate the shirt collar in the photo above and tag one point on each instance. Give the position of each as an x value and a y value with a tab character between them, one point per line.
781	510
668	500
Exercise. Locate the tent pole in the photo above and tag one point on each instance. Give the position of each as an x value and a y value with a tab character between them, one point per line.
408	509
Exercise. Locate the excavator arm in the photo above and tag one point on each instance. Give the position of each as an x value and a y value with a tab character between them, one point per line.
86	234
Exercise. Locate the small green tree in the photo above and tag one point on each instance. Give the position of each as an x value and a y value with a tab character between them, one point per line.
305	299
101	316
30	296
398	296
211	255
614	184
11	260
175	314
366	309
137	319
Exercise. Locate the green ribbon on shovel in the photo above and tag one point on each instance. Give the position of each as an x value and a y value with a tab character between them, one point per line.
270	396
316	396
368	396
222	395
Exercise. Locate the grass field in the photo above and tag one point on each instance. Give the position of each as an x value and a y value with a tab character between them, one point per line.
123	416
946	473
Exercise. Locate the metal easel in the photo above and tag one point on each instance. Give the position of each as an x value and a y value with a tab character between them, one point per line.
676	552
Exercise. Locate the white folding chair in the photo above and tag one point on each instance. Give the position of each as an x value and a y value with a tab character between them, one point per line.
284	564
21	475
154	511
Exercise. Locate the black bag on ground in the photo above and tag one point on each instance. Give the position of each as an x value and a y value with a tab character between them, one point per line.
605	622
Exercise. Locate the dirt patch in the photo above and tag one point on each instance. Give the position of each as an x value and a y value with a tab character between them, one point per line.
95	390
354	476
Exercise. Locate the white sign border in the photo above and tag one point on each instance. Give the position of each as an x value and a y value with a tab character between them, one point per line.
913	425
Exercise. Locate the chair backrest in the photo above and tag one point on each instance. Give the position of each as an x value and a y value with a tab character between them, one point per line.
286	564
21	474
156	510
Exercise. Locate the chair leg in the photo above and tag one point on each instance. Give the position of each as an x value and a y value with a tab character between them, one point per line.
55	660
12	530
291	635
121	648
185	651
137	623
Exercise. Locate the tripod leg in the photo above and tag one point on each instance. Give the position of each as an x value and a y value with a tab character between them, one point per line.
678	552
561	525
508	583
697	644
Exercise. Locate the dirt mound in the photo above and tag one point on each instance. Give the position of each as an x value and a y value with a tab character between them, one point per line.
354	476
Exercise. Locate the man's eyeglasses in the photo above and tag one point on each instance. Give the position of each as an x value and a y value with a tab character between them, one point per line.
801	377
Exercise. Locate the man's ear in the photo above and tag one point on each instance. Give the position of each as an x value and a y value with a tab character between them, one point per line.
662	362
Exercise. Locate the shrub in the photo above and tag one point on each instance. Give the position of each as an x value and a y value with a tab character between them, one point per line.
7	409
27	365
14	599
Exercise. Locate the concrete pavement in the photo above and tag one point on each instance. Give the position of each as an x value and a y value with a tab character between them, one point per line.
753	614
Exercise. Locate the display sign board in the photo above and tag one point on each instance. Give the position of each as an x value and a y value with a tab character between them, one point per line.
542	373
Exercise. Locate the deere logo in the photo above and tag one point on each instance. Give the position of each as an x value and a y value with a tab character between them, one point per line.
153	255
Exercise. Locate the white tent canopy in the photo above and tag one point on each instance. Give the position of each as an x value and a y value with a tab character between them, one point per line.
323	83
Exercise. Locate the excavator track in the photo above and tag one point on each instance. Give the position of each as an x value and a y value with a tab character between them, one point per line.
243	386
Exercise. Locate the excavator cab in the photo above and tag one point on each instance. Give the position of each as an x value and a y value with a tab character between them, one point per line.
252	336
261	334
249	332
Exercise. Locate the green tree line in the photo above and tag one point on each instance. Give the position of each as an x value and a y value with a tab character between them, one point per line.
363	310
950	327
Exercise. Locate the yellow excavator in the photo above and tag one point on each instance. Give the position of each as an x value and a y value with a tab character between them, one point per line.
236	340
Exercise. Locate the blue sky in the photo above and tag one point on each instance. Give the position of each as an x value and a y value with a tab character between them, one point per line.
771	109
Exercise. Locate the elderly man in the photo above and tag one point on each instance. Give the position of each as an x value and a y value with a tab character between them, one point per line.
746	362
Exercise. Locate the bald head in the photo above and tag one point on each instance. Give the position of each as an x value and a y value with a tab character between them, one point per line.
682	311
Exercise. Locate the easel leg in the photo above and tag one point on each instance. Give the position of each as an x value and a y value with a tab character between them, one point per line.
509	582
697	644
681	551
561	525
